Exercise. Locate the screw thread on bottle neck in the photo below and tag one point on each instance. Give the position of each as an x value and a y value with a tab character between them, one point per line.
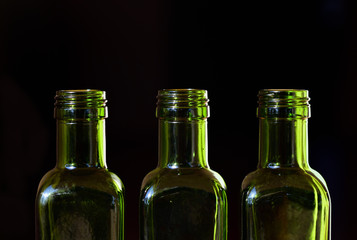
182	104
283	103
85	104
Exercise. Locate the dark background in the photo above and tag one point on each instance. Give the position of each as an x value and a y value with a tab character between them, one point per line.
132	48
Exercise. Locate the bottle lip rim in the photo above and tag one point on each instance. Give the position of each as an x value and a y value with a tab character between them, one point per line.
281	96
177	97
284	93
283	89
73	94
79	90
181	91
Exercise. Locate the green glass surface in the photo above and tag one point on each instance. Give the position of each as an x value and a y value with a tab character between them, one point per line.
183	198
80	198
284	199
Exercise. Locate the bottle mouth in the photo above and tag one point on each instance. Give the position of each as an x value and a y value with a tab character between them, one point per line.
283	103
187	104
80	104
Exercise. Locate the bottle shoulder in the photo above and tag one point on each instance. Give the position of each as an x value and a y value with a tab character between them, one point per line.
62	180
266	179
319	177
163	179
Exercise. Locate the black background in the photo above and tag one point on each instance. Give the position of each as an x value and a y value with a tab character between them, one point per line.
132	48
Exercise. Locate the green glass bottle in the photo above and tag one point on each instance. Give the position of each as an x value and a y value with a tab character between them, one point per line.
79	198
183	198
284	199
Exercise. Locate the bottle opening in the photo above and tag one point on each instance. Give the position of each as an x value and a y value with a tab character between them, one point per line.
80	104
182	103
283	103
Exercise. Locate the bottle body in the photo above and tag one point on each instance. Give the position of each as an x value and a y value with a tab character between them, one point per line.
183	198
183	204
284	198
80	204
284	204
80	198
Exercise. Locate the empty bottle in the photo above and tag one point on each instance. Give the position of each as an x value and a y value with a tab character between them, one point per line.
284	199
80	199
183	198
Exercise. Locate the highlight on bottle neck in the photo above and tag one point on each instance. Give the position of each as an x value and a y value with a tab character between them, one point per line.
283	103
182	104
86	104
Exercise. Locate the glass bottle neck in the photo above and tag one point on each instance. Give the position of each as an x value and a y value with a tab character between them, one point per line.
283	143
81	143
183	144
